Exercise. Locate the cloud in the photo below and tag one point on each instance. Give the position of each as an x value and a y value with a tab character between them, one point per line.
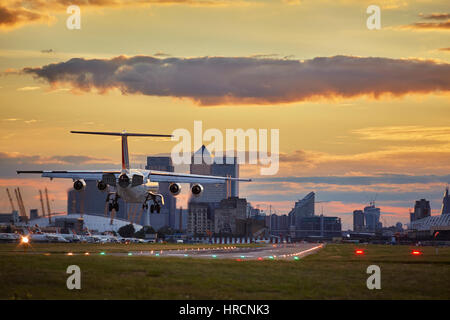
16	13
405	133
16	16
429	26
435	16
12	161
249	80
445	49
28	88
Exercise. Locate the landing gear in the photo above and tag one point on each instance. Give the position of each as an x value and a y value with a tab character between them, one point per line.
157	200
155	207
113	202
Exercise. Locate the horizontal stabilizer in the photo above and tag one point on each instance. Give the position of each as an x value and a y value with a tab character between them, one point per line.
124	133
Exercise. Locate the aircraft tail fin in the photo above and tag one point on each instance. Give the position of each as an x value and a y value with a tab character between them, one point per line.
124	135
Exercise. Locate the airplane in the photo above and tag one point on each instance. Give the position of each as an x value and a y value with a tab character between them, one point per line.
132	185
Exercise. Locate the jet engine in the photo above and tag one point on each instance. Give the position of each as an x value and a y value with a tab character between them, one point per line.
197	190
101	185
175	189
79	185
124	180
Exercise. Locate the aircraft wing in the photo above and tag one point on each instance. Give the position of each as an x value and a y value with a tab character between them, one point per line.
164	176
74	174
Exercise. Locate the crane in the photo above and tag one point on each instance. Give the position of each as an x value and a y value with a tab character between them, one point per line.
42	203
22	210
48	206
10	200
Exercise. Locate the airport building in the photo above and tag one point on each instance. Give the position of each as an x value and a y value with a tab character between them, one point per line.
319	226
279	225
9	218
430	227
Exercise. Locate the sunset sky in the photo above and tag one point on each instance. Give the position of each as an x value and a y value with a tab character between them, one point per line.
362	113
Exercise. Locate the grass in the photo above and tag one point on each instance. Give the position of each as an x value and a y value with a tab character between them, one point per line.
335	272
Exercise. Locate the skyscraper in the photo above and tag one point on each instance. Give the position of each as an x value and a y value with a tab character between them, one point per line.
372	217
421	210
207	165
446	203
303	208
358	220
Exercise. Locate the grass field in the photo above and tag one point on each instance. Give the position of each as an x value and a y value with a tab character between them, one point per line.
335	272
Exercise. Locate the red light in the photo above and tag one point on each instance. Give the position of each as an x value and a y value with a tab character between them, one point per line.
359	252
238	260
416	252
260	259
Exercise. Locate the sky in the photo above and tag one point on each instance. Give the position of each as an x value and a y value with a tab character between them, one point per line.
363	114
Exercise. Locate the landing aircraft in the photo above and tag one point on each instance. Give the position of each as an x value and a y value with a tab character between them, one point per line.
133	185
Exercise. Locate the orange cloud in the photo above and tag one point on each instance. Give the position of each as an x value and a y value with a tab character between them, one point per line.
16	13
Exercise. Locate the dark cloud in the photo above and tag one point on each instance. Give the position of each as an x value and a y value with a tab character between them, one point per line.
17	16
249	80
431	25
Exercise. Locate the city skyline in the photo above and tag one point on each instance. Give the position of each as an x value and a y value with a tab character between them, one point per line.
346	139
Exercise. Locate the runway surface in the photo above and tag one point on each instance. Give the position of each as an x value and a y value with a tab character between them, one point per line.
267	252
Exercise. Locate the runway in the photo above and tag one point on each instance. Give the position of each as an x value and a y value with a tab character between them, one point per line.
267	252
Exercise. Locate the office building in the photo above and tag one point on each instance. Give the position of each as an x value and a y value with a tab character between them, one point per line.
372	217
358	220
200	221
422	210
227	213
302	208
203	163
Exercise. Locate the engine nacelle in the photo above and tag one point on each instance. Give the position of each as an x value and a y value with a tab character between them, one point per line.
101	185
79	185
175	189
124	180
197	190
